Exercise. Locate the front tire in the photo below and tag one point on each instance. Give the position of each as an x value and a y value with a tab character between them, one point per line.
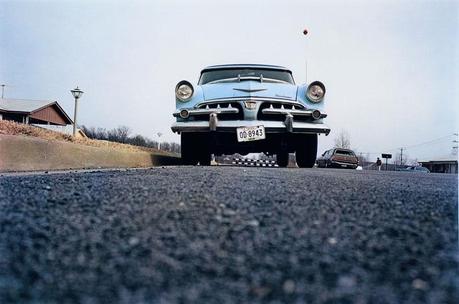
188	152
306	150
205	156
282	159
196	148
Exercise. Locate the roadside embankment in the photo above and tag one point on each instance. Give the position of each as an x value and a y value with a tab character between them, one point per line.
23	153
28	148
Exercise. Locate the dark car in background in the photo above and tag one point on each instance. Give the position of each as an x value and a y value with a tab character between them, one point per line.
338	158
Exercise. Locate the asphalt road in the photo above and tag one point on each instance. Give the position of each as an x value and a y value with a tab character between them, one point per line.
227	235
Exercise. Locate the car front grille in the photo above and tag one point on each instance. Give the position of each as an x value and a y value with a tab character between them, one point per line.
238	104
280	117
221	116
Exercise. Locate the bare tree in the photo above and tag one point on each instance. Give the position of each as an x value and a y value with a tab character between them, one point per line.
413	162
89	131
363	158
343	140
93	133
399	160
165	146
121	135
101	133
174	147
137	140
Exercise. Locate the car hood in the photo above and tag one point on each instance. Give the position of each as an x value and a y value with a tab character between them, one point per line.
249	89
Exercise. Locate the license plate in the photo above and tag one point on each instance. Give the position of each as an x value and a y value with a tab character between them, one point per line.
250	133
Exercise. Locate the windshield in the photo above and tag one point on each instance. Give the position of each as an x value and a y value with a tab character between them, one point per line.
236	75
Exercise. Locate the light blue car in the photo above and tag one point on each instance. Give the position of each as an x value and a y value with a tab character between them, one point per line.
249	108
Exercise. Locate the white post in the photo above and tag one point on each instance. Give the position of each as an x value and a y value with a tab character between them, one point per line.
75	117
159	140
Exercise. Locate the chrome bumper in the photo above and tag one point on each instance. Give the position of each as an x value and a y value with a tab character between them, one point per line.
270	126
343	163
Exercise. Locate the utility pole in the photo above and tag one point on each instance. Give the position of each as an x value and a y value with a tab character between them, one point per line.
401	156
455	142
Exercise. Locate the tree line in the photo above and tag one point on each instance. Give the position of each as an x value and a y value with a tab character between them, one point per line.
122	134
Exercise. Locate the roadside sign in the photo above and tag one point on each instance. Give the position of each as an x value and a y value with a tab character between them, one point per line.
386	156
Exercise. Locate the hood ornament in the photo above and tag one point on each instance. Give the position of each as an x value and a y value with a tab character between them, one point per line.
249	90
250	104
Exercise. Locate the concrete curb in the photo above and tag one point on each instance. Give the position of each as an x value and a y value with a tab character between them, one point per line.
24	153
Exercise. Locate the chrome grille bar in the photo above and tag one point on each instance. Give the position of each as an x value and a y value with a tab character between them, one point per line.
295	112
287	111
209	111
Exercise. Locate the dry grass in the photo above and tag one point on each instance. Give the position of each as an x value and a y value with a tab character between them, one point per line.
13	128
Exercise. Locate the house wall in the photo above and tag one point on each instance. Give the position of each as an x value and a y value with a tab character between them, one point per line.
13	117
441	167
49	114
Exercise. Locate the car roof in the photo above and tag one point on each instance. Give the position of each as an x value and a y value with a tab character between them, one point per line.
245	66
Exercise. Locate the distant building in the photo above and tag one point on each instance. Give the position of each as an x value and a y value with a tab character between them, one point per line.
447	165
33	112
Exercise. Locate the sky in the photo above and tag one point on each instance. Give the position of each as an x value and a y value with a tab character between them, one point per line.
390	67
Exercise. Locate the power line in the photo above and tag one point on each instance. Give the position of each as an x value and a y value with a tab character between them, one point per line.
429	142
412	146
420	144
455	142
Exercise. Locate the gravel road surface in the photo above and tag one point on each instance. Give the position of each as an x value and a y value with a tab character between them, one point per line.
229	235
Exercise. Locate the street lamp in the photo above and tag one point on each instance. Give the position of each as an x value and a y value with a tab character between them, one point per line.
76	94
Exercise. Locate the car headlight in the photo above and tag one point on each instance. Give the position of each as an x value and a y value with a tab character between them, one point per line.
316	91
184	90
